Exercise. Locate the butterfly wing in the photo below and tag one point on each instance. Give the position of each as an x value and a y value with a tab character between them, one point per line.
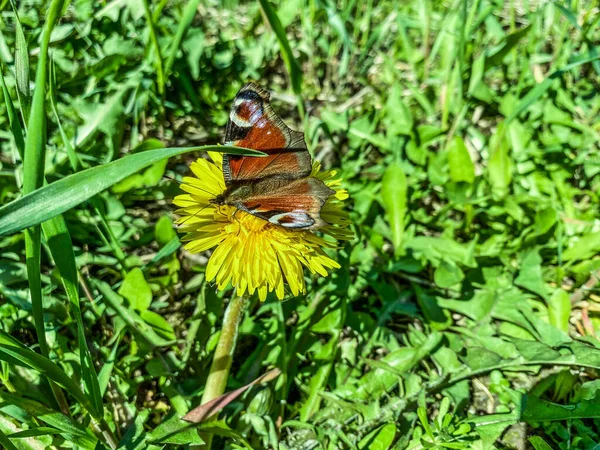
253	124
296	204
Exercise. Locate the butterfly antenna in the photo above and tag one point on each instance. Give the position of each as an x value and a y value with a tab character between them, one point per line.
172	179
194	187
195	214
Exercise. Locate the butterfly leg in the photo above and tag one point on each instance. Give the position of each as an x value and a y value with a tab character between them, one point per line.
238	221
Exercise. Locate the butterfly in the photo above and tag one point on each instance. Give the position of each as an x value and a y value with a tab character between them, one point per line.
277	187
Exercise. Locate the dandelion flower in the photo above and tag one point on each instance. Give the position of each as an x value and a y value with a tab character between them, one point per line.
252	254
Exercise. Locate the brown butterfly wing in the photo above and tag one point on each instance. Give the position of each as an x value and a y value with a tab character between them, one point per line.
253	124
295	204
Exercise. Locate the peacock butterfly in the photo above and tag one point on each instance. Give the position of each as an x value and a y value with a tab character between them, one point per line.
277	188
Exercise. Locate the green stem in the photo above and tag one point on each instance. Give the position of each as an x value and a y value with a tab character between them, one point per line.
33	176
187	16
223	357
160	71
102	429
6	442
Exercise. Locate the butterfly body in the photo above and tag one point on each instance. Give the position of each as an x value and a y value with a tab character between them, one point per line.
277	188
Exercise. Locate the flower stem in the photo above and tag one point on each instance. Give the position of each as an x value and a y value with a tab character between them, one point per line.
221	364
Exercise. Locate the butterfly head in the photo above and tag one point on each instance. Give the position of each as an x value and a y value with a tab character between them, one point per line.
218	200
232	195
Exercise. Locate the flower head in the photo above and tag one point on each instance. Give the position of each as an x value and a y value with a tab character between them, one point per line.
251	254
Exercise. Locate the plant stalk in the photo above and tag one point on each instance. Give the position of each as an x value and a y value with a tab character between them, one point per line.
33	177
160	68
223	357
102	429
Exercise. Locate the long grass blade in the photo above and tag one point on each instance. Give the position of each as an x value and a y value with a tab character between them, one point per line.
291	64
33	174
109	364
13	120
60	245
14	352
533	95
21	66
184	23
6	442
160	70
73	159
62	195
135	323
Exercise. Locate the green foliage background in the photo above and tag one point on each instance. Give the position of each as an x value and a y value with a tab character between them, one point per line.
464	314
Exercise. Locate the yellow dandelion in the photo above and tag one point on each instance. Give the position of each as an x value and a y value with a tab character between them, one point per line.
252	254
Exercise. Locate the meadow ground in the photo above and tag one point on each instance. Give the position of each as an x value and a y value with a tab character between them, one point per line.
465	310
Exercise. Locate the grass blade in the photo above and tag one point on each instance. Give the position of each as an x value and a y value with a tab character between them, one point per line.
61	247
394	196
33	175
14	352
186	19
35	143
59	241
46	415
533	95
109	364
73	159
160	71
6	442
291	64
512	40
13	120
35	432
538	443
58	197
21	66
135	323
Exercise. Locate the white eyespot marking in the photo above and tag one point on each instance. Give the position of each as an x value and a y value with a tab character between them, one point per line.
294	219
245	113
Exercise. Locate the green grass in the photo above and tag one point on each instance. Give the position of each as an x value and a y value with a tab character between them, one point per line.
465	314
